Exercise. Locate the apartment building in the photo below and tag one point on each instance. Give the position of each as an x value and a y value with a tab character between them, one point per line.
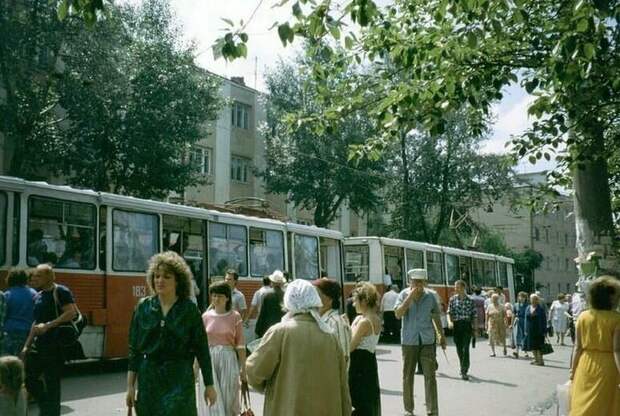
552	234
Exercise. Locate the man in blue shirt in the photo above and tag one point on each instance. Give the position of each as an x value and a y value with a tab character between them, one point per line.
420	331
53	306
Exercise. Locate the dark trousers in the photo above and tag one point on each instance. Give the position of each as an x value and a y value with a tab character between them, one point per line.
462	338
43	372
391	326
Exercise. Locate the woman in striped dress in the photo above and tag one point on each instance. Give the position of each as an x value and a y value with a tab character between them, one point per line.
225	332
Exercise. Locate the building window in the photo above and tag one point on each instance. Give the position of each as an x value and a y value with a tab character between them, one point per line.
565	239
546	235
536	234
239	168
565	264
240	115
201	158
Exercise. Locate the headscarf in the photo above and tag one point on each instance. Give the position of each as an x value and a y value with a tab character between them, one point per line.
302	297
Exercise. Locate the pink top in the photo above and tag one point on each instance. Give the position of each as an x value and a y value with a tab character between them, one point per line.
224	329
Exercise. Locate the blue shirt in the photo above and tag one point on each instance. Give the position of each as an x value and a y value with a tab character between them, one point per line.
19	308
417	327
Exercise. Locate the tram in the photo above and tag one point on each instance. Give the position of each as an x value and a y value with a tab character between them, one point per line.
100	243
374	258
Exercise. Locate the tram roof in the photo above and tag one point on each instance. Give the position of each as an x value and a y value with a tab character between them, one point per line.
314	230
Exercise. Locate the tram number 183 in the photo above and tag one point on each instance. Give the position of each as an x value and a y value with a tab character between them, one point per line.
139	291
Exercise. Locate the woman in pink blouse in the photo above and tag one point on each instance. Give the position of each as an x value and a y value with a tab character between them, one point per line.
225	332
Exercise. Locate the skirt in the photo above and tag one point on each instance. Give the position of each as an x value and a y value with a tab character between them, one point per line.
225	366
364	384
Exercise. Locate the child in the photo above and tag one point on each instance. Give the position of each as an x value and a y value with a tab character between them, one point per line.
12	393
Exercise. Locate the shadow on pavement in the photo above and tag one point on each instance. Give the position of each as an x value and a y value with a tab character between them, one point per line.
392	392
475	379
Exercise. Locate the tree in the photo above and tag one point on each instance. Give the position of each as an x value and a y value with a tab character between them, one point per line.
313	167
442	175
129	103
450	54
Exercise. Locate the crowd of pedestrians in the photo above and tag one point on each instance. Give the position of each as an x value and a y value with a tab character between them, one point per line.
183	363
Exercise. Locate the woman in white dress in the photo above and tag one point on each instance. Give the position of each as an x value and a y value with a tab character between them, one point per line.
558	315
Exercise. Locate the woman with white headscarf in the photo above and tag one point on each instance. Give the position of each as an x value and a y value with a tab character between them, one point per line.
299	364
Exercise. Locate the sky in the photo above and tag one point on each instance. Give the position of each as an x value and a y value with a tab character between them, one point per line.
202	23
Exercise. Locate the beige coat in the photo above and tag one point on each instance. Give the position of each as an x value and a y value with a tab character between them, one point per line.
301	370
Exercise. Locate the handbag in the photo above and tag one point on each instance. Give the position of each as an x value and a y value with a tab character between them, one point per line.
68	333
546	348
246	407
563	393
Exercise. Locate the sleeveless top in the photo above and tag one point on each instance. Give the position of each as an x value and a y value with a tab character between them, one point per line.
369	342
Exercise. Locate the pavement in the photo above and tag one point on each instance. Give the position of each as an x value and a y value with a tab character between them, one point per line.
499	386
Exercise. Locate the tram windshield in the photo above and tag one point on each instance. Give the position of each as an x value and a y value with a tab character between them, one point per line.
433	265
266	251
394	264
452	268
185	237
306	257
356	263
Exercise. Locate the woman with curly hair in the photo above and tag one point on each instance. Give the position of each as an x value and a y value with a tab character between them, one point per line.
363	372
165	337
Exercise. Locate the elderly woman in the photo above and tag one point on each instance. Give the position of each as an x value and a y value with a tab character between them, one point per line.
595	369
558	315
299	363
496	324
330	292
518	326
165	336
535	327
224	328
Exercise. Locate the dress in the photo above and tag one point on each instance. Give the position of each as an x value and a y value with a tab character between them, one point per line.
364	377
10	407
225	333
595	389
518	329
558	317
479	302
535	327
271	311
497	324
162	351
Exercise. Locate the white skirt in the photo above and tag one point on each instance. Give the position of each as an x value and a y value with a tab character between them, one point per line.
225	366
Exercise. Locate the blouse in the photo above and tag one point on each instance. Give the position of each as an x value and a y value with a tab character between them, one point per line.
224	329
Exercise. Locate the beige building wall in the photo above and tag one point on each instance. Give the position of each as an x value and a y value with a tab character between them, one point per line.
551	234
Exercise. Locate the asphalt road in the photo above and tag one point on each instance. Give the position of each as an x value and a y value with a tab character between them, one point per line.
500	386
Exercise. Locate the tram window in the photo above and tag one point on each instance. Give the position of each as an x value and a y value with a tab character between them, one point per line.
266	251
330	257
394	264
465	269
503	274
356	263
489	273
16	227
306	257
434	269
185	237
228	246
415	259
478	274
452	270
3	218
135	238
62	233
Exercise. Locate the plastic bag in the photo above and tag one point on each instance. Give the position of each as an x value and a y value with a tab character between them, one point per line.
563	393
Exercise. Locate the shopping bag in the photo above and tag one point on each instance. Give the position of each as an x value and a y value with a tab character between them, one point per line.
245	400
546	349
563	393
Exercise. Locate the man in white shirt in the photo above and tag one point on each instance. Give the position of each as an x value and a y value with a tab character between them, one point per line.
238	300
257	299
391	325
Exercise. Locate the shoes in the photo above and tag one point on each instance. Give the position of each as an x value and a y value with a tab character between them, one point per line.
492	355
515	354
408	413
505	352
465	377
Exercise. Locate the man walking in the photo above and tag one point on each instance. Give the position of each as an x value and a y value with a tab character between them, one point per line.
238	300
418	309
462	318
391	325
53	305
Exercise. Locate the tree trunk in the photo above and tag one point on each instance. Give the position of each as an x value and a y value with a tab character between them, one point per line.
592	209
405	191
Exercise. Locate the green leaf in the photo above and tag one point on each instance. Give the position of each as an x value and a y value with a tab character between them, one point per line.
582	26
335	31
63	9
532	159
243	37
348	42
589	50
228	22
297	12
285	33
472	40
242	50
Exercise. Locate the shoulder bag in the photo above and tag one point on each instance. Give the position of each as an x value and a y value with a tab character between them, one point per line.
546	348
68	333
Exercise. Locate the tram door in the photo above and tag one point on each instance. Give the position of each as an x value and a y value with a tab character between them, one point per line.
393	259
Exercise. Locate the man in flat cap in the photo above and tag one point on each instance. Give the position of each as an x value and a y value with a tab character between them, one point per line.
421	330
